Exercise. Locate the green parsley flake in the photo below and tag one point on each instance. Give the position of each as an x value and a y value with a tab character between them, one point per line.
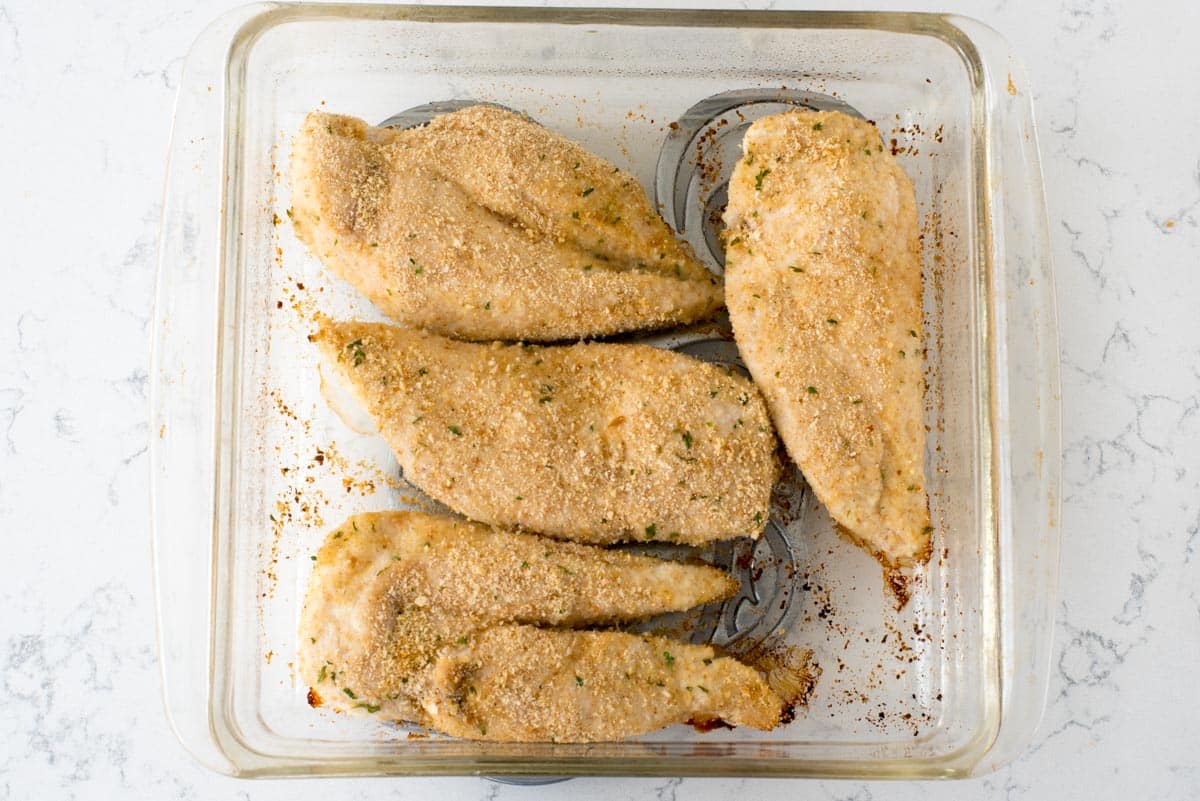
357	352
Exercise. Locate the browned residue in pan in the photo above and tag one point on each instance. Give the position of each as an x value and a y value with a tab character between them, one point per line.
790	670
705	725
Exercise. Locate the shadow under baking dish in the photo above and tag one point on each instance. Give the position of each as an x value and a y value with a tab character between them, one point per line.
251	467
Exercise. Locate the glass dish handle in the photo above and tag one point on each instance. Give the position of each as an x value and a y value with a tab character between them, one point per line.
1028	413
185	370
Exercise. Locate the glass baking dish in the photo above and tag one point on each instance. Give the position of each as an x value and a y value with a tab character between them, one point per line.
250	466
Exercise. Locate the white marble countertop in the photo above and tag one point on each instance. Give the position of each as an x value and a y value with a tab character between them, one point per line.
88	94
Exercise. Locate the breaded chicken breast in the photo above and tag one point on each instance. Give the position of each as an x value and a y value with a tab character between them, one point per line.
407	614
823	284
483	225
525	684
593	442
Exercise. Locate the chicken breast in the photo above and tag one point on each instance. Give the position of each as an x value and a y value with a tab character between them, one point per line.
495	574
483	225
399	602
823	284
523	684
593	442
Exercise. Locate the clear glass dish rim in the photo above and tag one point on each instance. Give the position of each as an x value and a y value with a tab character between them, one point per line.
221	51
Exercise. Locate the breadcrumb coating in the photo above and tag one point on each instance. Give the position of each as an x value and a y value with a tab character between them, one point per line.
436	620
483	225
823	283
592	442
